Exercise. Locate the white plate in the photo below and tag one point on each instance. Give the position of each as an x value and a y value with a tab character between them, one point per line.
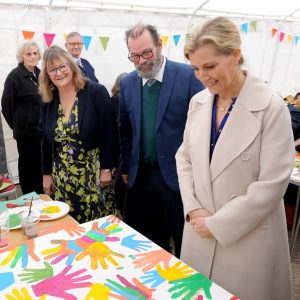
52	210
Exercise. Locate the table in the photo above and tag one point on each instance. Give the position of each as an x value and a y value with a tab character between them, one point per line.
295	179
105	259
16	237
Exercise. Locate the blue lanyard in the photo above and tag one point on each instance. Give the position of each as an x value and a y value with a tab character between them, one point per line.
215	133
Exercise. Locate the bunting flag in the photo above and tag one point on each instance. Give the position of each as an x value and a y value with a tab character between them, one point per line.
295	40
104	41
176	38
65	36
28	35
289	38
281	36
49	38
244	27
274	31
164	39
86	41
253	25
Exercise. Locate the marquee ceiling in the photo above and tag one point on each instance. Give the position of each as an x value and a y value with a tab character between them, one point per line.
288	9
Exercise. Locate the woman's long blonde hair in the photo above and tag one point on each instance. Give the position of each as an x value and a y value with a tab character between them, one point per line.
46	86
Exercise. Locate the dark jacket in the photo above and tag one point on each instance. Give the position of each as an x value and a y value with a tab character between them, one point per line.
21	101
295	118
88	70
97	126
3	165
179	85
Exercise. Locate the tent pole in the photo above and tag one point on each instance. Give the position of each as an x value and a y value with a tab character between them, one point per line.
191	17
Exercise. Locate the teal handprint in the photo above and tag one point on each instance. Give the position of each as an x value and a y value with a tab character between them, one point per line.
190	286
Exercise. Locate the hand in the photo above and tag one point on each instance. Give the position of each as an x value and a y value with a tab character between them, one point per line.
151	259
152	277
201	212
70	227
33	275
189	286
137	245
125	178
65	249
98	291
1	180
199	225
113	219
22	252
105	178
128	290
57	285
18	296
47	184
176	272
99	251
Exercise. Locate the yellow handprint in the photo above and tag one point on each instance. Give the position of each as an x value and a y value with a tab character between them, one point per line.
177	271
99	251
98	291
17	295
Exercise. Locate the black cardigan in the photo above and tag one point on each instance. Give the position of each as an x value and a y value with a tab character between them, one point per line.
97	126
21	101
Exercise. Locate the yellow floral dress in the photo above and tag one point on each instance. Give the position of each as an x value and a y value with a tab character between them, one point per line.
76	172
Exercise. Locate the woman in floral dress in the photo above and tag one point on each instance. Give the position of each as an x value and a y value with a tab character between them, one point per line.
78	134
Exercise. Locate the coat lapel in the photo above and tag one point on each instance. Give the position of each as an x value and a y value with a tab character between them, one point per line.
165	92
202	113
239	131
136	102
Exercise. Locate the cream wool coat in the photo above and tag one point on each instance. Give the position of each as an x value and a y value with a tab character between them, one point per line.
243	187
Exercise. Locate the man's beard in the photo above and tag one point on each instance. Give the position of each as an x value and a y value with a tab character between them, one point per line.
153	67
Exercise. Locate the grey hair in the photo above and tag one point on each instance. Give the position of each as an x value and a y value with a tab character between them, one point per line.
24	47
137	30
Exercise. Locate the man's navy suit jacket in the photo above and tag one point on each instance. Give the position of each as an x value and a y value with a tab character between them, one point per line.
88	70
179	85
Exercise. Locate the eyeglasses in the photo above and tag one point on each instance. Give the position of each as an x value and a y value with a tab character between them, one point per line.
135	58
62	68
75	44
32	53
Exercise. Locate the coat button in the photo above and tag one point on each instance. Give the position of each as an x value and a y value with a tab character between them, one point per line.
245	156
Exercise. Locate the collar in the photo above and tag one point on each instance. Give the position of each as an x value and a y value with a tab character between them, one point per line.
159	75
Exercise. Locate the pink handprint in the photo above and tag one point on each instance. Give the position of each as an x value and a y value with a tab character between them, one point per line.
58	285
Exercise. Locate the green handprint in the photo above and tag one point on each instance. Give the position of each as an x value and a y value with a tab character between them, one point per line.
189	286
33	275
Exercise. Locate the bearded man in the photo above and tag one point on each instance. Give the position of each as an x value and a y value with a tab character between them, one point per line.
154	101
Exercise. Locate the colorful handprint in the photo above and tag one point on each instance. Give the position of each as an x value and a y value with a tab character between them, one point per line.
137	245
23	294
34	275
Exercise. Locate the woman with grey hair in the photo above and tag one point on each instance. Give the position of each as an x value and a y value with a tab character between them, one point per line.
21	110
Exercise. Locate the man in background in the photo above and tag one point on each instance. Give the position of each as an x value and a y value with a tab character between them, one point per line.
74	45
154	100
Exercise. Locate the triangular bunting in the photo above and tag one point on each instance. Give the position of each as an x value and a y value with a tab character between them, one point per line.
244	27
253	25
49	38
65	36
274	31
104	41
164	39
295	40
281	36
289	38
86	41
176	38
28	35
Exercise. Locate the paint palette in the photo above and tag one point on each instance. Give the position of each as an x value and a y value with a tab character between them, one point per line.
45	210
52	210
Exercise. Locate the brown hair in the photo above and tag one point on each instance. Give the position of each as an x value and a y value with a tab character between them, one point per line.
137	30
46	87
116	87
220	32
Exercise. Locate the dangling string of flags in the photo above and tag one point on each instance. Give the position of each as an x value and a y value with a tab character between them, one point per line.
245	28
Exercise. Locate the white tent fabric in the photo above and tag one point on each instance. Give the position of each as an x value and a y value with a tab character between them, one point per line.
275	59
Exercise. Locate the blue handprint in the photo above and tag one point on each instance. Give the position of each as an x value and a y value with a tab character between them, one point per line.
137	245
152	277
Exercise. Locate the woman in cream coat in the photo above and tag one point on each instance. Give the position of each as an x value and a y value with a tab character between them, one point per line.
232	185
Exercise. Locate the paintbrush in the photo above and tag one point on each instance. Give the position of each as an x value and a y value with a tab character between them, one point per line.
30	207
